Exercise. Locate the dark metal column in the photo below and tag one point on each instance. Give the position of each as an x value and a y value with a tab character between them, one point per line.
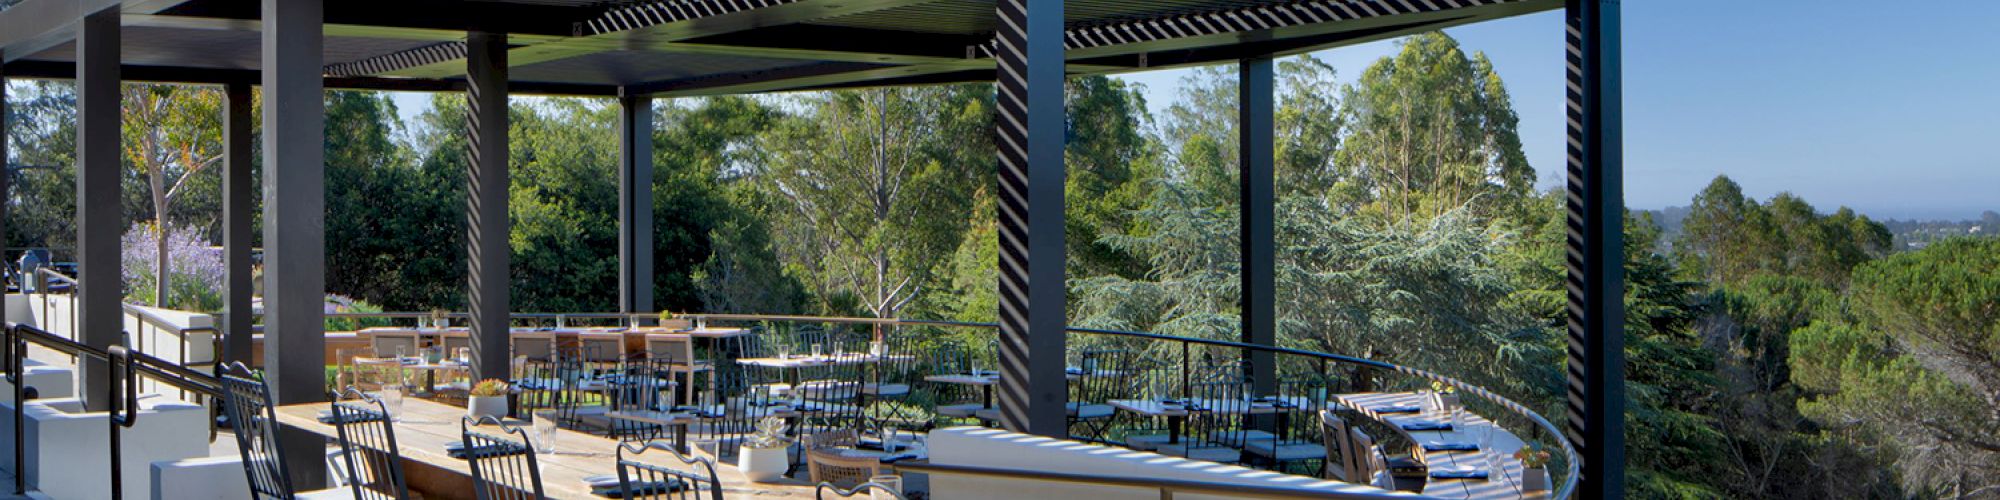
237	189
486	202
6	178
295	222
1032	291
1257	204
1596	248
635	203
99	221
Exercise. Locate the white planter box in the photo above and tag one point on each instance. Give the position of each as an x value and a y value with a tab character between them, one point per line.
763	465
67	449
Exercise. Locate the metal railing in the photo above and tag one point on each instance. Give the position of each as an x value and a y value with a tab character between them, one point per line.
1542	425
1166	486
125	368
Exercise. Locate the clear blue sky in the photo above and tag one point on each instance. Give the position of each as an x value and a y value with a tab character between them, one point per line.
1889	108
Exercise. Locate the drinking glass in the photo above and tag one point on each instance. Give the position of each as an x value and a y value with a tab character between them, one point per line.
890	481
464	355
784	352
816	351
392	399
402	352
545	432
889	439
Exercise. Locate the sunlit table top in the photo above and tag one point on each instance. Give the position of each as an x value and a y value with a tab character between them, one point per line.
424	427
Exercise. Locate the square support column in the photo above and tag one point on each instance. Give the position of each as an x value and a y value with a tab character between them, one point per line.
295	223
1257	200
6	178
1596	247
486	203
99	218
635	203
1033	293
237	189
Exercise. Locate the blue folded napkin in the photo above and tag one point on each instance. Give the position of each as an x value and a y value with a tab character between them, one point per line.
901	456
1459	474
1073	371
1398	409
1426	426
457	450
607	485
326	417
1451	446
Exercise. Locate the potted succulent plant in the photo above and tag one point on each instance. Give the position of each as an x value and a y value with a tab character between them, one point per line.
1535	462
440	319
1444	396
764	457
488	398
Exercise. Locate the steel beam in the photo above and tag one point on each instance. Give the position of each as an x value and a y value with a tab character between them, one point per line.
1032	289
99	221
6	181
1596	210
238	186
295	222
635	203
486	246
1257	201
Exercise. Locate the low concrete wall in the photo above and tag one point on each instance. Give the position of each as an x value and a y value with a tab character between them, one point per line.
992	448
48	381
66	448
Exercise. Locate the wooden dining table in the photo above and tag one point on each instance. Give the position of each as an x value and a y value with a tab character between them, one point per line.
1502	481
423	428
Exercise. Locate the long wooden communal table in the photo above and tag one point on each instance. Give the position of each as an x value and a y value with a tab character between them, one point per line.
1501	482
425	427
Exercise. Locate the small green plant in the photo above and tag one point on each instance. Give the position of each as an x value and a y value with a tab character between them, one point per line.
666	316
440	318
490	388
770	434
1533	456
1443	388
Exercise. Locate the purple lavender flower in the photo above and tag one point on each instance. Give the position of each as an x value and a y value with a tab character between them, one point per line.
194	279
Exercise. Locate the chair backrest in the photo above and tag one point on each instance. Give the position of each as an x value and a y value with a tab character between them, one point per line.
829	465
647	481
1339	447
1371	466
455	340
900	365
368	446
539	346
676	350
602	348
387	342
502	468
870	490
248	404
1105	375
1222	413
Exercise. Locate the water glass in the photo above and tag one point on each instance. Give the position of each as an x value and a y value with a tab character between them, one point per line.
889	439
890	481
392	400
1458	418
816	351
464	355
545	432
402	352
784	352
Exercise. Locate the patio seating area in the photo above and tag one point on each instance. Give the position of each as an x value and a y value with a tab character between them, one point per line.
489	403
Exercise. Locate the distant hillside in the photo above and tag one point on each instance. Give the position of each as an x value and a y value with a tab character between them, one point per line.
1910	234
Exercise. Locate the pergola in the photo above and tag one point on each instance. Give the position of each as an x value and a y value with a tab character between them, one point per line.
636	50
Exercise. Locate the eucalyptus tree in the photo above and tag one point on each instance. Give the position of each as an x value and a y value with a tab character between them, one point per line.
875	184
172	133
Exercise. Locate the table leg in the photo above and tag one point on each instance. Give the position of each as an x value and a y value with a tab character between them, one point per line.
986	395
681	439
1174	425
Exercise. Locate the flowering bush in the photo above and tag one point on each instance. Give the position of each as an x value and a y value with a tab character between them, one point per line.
194	274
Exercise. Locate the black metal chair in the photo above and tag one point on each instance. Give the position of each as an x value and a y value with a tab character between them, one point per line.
952	401
247	401
368	446
749	402
1100	377
1215	419
893	378
1297	402
502	469
639	388
256	425
830	393
646	481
